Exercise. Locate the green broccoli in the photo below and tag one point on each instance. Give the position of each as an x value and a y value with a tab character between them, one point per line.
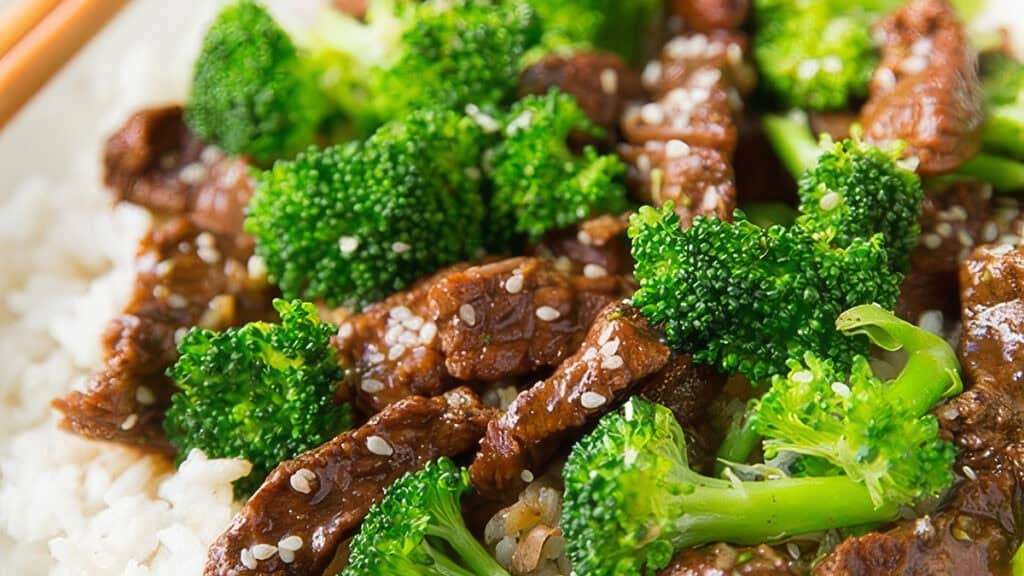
252	93
410	55
881	434
812	53
621	27
263	392
355	223
418	530
539	183
746	299
632	501
1004	95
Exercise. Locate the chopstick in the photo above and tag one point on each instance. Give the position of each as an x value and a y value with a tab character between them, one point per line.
37	37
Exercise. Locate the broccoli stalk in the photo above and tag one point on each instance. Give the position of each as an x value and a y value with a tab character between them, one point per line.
252	92
879	433
356	223
632	501
1003	82
793	141
418	530
262	392
539	183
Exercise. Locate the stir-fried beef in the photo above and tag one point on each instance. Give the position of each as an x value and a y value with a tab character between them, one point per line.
516	316
709	15
619	352
296	521
721	559
980	527
391	350
595	247
925	91
194	268
601	83
835	124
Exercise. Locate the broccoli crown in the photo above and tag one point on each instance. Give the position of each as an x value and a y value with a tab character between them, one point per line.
418	530
857	190
262	392
632	501
621	27
251	92
747	299
813	54
355	223
1003	79
539	183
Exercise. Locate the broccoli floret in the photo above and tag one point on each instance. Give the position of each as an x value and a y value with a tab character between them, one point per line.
539	183
746	299
622	27
435	54
262	392
418	530
814	54
1004	97
352	224
252	93
881	434
632	501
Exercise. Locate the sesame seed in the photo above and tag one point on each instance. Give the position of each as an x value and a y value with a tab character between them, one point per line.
969	473
923	526
643	163
427	332
676	149
612	362
287	556
290	543
414	323
409	338
263	551
931	241
964	238
130	422
526	476
467	314
300	480
514	284
707	78
594	271
841	389
348	244
379	446
910	163
914	64
179	335
610	348
206	240
958	213
208	255
651	74
829	201
652	113
256	267
345	331
247	560
375	357
886	78
944	229
1001	250
584	237
192	174
210	154
589	354
391	336
606	333
548	314
563	264
164	268
396	351
802	377
609	81
794	550
400	313
922	46
931	320
487	124
990	232
371	386
592	400
145	396
176	301
400	247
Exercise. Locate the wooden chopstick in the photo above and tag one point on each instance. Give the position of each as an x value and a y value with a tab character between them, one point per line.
39	51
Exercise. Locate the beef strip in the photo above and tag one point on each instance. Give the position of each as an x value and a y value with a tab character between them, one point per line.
981	526
721	559
322	495
602	84
195	267
594	247
390	349
835	124
619	351
710	15
925	91
516	316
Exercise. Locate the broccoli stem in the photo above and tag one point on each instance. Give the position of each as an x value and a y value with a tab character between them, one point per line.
1017	564
452	529
739	442
932	371
1003	173
754	512
793	141
1004	130
768	214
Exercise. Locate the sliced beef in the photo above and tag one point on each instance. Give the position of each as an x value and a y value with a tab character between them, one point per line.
980	527
618	353
322	495
925	91
516	316
710	15
721	559
593	248
391	351
835	124
602	84
155	161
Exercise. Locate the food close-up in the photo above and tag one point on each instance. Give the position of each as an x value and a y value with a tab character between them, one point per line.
512	287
